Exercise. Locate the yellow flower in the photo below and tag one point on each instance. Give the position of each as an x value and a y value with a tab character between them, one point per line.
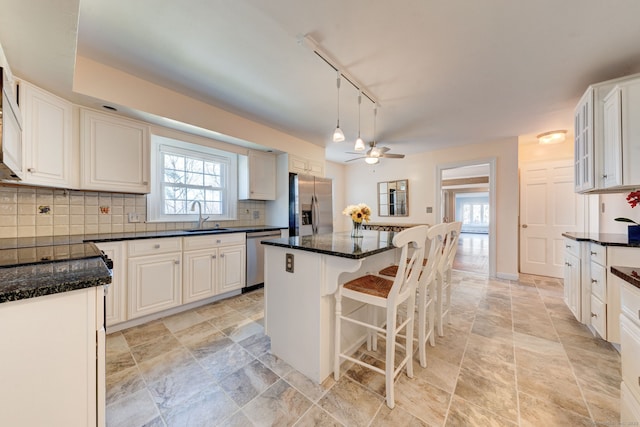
358	213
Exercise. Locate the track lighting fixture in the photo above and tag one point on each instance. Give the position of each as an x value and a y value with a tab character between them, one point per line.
359	142
338	135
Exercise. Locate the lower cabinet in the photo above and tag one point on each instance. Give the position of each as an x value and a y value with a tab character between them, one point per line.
572	277
232	269
116	292
53	359
630	348
155	276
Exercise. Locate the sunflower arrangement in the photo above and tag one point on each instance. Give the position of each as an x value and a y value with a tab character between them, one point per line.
358	213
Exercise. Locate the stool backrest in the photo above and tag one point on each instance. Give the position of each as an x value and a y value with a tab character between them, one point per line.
451	245
406	278
436	240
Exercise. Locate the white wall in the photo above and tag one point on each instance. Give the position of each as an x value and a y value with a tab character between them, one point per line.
337	173
420	170
615	205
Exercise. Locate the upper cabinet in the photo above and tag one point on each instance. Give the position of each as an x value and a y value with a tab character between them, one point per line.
48	142
621	150
114	153
306	166
598	132
257	176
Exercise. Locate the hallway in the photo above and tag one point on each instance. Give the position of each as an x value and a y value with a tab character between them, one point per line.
473	253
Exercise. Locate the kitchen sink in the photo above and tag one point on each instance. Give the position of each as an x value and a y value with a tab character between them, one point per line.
205	230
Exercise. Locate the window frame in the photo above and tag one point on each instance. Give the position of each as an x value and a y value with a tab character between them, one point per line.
155	199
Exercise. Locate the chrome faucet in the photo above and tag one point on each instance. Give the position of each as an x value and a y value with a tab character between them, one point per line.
201	220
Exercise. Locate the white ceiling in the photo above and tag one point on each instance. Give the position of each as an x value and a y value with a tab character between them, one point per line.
444	72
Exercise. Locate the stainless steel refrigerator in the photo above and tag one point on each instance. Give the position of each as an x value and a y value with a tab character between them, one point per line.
310	205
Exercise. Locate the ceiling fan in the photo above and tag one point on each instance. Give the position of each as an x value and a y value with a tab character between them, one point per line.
375	153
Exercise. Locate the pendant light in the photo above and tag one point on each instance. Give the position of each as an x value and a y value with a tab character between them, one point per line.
371	158
338	135
359	142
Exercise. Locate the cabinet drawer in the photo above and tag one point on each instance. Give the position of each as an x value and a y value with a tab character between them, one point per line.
154	246
572	246
599	316
598	281
630	298
630	344
598	253
213	241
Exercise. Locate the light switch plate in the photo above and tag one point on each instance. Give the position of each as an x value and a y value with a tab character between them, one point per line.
288	263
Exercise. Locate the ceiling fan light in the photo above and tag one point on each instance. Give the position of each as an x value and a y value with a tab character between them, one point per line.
372	160
553	137
359	145
338	135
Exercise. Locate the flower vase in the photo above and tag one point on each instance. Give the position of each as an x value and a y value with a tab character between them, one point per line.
356	230
634	233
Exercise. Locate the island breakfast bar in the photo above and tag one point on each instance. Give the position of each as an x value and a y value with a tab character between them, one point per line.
301	276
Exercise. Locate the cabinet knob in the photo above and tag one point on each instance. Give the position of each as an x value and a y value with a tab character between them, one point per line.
594	315
594	281
604	176
213	256
145	183
176	262
567	246
156	246
218	241
32	170
524	226
568	264
221	255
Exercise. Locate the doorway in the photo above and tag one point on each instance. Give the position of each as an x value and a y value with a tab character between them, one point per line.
466	193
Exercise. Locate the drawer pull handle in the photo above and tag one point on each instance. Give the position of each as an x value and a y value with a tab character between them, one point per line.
568	264
594	281
567	246
594	315
32	170
594	253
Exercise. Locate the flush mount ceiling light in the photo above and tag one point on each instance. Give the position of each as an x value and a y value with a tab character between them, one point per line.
338	135
553	137
359	142
372	160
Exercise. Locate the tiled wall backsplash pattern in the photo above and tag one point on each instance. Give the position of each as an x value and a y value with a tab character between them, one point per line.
34	211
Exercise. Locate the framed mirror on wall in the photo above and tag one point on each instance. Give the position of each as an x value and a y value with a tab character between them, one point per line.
393	198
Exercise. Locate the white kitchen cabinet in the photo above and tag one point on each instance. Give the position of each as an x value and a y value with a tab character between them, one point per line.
114	153
583	143
154	275
598	281
306	166
572	278
630	348
116	295
48	142
257	176
53	360
213	264
621	149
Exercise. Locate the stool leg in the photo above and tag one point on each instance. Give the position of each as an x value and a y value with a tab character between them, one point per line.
372	333
422	328
439	305
409	334
336	344
389	360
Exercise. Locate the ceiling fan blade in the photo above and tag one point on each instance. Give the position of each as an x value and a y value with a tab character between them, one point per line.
383	149
393	156
355	158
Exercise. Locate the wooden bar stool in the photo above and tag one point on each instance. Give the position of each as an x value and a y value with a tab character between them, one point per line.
443	295
426	289
379	293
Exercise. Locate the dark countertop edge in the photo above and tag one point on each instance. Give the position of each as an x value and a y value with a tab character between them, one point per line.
326	251
65	285
626	274
116	237
604	239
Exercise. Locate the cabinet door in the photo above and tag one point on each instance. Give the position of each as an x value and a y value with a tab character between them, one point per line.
572	289
232	268
154	283
315	168
200	274
612	147
297	165
47	138
116	301
584	144
262	176
114	153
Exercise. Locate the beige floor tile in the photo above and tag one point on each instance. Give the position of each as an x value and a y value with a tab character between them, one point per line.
493	396
134	410
463	413
147	332
537	412
422	400
351	403
183	320
317	417
279	405
396	417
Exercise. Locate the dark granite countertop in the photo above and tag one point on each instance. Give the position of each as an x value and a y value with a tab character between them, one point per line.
628	274
604	239
339	244
30	281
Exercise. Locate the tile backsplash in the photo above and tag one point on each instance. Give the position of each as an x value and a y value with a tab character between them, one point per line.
36	211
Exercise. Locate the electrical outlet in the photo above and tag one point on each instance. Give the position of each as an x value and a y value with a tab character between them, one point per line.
134	217
429	209
256	214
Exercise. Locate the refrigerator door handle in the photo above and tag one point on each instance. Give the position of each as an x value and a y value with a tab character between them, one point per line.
316	214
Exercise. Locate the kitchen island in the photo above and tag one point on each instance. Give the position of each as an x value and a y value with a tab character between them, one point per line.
301	276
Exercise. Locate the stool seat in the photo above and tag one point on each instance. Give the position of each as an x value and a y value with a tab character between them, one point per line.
370	284
392	270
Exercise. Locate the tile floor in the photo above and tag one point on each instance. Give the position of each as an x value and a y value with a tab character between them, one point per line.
513	355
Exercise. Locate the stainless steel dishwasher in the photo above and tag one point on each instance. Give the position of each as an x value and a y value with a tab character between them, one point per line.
255	257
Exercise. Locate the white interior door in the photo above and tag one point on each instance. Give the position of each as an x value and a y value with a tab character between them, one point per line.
548	208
